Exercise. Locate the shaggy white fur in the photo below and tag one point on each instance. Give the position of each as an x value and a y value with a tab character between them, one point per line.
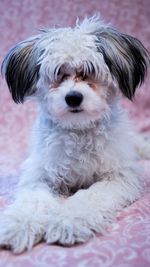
82	165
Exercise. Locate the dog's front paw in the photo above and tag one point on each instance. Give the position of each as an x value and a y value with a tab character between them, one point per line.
19	233
67	231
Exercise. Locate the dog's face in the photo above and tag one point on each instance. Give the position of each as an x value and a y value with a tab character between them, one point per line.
76	74
73	80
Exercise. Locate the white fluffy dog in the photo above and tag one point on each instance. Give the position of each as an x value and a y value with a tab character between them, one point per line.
81	169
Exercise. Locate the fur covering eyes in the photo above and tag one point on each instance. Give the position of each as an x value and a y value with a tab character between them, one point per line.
124	56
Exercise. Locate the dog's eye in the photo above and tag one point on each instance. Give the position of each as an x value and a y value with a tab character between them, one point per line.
65	77
84	76
62	77
81	75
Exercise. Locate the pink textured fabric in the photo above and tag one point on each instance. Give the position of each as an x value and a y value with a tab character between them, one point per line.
127	242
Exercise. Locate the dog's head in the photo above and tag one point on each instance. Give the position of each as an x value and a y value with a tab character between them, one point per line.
76	73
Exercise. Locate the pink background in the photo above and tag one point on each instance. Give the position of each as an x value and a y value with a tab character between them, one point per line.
127	242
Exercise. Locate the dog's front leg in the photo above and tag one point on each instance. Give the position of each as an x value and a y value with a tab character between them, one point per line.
24	222
91	210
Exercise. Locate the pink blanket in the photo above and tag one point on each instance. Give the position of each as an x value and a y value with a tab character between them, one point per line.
127	242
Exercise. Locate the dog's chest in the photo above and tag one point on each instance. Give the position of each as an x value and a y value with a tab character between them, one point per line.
73	155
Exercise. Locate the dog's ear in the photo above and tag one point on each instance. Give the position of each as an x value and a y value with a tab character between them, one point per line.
126	58
20	68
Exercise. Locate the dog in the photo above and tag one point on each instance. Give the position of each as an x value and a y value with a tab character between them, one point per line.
82	166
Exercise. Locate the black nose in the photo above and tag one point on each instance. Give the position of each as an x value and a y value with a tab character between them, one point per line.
74	99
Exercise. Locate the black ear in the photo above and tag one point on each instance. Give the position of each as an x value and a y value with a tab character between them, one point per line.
21	70
126	58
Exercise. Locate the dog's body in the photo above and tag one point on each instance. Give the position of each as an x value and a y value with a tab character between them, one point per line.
82	166
70	159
